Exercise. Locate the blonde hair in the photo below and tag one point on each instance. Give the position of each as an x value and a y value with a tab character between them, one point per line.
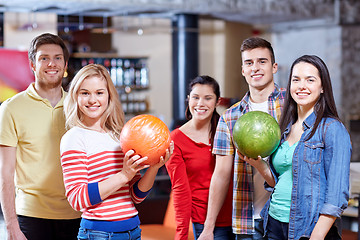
113	115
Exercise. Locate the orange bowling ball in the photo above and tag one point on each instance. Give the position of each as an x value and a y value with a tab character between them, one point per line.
147	135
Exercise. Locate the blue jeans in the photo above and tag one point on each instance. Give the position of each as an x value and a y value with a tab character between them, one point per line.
220	233
100	235
277	230
258	235
43	229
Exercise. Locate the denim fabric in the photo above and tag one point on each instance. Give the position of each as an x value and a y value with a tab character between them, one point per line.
44	229
276	230
321	167
220	233
89	234
258	235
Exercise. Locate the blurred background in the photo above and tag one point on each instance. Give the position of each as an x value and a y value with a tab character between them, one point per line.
153	48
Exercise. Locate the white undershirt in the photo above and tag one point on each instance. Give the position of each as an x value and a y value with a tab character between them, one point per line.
260	194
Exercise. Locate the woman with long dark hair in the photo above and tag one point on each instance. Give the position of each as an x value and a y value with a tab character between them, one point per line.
192	163
311	166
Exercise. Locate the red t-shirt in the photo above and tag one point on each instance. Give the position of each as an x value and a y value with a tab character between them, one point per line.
190	169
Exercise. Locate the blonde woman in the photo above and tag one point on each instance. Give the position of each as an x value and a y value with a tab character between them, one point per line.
101	181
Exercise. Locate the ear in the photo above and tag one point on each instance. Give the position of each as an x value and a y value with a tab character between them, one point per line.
275	68
322	90
218	102
65	71
242	70
32	65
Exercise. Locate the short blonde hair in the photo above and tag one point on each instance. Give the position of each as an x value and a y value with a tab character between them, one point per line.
114	115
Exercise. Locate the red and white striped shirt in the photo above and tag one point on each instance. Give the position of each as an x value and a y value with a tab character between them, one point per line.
89	157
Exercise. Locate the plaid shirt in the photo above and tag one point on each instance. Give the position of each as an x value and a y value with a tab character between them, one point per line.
242	217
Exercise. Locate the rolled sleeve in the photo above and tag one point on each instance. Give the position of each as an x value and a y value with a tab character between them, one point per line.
329	209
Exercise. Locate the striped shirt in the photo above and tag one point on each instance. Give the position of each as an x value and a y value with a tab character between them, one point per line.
88	157
243	188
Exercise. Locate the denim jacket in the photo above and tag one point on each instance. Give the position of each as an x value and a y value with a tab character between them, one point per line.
320	170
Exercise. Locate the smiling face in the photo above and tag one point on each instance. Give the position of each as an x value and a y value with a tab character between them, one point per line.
305	86
49	66
92	99
257	68
202	102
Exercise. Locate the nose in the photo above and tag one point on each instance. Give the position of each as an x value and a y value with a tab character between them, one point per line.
255	66
92	98
302	84
52	62
200	102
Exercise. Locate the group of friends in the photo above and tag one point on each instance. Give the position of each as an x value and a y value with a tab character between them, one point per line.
72	180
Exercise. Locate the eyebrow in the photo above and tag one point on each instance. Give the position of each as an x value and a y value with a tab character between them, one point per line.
95	90
310	76
259	59
45	55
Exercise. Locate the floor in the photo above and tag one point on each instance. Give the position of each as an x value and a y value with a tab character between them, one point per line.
347	235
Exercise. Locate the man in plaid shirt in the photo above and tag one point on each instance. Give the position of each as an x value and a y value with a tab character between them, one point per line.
249	195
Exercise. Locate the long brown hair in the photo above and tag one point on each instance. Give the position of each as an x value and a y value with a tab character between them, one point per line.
206	80
325	106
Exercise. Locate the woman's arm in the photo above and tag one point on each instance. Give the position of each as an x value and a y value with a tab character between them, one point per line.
147	181
131	165
262	166
322	227
181	193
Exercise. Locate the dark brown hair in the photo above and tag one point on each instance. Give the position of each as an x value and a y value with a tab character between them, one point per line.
257	42
206	80
47	38
324	107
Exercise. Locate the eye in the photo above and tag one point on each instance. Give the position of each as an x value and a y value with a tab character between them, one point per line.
294	80
311	80
262	61
84	93
248	63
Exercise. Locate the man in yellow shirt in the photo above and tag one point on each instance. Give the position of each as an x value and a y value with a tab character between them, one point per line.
31	126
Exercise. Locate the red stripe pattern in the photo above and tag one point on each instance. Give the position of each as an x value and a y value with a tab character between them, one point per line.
81	168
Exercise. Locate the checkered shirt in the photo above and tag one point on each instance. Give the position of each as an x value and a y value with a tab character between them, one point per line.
242	217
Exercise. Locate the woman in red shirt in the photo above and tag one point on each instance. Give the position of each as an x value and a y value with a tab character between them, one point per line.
192	163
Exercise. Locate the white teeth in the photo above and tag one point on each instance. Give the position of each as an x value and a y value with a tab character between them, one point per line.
200	110
93	107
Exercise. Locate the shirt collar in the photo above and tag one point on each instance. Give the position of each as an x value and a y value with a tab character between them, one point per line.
309	121
246	99
307	124
33	94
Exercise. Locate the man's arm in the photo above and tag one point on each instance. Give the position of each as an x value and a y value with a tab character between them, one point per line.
7	193
219	186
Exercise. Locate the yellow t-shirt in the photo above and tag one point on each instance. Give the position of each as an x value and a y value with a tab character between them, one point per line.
29	123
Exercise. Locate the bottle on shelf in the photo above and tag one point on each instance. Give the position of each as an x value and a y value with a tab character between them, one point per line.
129	75
132	74
113	71
144	82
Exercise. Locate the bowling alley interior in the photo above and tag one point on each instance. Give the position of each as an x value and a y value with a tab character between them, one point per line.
152	49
